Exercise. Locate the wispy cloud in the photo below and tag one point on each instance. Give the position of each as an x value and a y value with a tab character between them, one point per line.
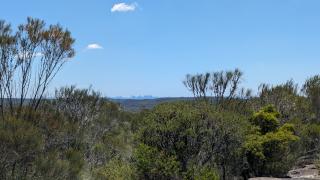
94	46
123	7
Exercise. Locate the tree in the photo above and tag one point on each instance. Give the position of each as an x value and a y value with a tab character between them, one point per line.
222	139
198	84
311	89
21	142
153	163
266	119
310	137
29	60
284	97
195	136
267	145
116	169
224	82
173	129
81	106
95	122
224	85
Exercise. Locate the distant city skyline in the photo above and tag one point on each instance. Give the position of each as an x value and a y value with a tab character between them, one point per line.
135	97
142	47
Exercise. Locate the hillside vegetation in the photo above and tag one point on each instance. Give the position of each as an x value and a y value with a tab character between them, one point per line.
223	132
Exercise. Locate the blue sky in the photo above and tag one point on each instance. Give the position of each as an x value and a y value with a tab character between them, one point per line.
145	47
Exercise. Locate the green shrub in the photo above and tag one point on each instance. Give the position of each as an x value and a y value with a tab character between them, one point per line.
266	119
154	164
268	147
115	169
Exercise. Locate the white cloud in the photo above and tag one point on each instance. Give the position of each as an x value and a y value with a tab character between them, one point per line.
123	7
94	46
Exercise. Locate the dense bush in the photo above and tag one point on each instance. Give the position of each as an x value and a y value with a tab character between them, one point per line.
192	136
79	134
267	146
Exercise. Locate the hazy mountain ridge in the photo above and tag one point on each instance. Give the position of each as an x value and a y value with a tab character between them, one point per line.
135	105
135	97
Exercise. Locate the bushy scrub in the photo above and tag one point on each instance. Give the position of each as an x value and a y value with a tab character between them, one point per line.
116	169
310	136
267	147
189	136
20	143
154	164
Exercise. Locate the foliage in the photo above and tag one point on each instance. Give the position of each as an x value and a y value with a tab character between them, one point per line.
29	60
194	135
79	134
20	143
268	146
224	85
266	119
171	129
51	167
116	169
311	89
202	173
152	163
284	97
310	136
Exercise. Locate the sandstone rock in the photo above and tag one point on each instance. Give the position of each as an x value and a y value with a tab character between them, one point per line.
308	171
267	178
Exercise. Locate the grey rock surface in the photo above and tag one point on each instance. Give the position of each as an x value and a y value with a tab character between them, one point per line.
308	171
267	178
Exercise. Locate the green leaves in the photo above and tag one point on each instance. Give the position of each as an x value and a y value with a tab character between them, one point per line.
155	164
21	142
193	135
311	89
266	119
116	169
266	147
